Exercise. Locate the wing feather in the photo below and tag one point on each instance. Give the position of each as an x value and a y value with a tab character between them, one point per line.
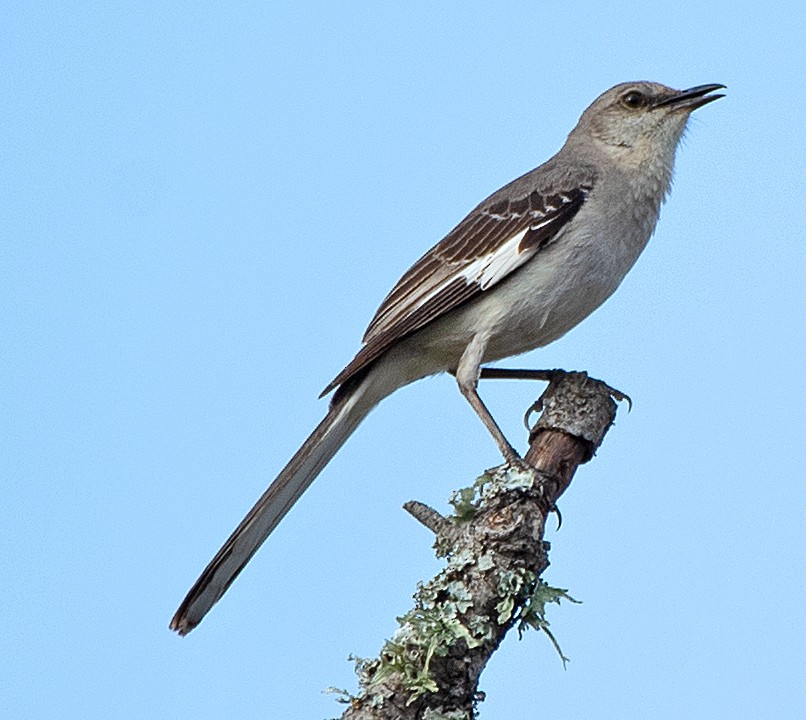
487	246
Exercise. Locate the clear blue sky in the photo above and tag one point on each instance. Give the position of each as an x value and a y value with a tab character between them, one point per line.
201	205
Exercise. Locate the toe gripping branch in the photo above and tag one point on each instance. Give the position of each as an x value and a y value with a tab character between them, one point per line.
573	406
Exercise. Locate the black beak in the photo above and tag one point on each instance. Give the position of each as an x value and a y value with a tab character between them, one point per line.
692	98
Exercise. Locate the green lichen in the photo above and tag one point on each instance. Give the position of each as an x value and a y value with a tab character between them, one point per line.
533	612
506	478
465	503
439	619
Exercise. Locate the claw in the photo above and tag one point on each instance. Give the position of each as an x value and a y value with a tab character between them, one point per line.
555	509
535	407
619	396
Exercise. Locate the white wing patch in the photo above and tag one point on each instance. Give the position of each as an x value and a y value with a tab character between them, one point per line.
486	271
492	268
489	269
456	278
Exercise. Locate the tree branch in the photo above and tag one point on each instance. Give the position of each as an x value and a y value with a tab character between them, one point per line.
495	554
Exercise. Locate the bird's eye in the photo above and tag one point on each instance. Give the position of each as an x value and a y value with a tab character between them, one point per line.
633	100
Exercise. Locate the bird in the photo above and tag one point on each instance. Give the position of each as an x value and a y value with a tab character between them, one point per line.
524	267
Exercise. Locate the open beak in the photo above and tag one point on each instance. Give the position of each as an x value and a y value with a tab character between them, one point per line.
692	98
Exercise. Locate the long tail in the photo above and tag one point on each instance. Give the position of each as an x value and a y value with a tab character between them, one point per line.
324	442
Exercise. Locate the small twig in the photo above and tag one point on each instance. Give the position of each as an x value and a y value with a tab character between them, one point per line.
427	516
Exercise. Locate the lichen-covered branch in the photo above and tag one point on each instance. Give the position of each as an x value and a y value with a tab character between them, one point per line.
494	551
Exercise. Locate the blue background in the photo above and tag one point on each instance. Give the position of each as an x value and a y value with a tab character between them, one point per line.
201	206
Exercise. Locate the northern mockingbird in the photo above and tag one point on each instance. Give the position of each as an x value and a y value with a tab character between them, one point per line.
528	264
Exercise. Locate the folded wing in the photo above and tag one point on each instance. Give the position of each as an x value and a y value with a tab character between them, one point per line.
487	246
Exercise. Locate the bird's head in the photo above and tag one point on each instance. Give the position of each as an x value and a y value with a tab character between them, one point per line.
637	127
637	120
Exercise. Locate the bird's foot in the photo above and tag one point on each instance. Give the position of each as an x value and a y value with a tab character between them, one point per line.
551	376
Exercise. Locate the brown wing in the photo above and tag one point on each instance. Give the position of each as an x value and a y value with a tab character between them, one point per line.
488	245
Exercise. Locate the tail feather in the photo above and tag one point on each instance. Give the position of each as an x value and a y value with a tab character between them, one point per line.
342	419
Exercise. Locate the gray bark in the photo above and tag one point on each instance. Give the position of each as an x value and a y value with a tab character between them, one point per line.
495	554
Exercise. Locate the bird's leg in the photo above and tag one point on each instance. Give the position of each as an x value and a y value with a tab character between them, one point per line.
467	377
489	373
494	373
472	396
548	376
510	454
